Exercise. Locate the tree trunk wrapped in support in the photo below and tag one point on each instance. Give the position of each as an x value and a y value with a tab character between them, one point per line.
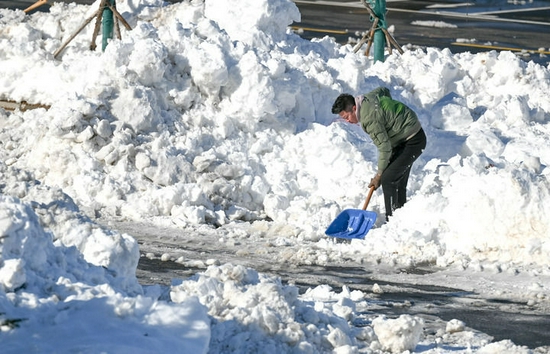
105	7
378	33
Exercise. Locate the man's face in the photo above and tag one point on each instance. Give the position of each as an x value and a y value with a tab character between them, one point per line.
349	116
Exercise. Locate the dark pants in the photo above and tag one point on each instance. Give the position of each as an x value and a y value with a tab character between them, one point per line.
396	175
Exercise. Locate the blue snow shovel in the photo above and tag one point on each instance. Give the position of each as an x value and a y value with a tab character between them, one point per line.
353	223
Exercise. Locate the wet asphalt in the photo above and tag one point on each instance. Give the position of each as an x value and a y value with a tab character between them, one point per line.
518	321
466	27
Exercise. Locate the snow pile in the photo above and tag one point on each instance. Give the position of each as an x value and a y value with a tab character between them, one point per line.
400	334
200	118
266	26
40	217
255	313
80	293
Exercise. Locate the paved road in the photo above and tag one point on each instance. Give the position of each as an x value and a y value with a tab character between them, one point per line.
502	320
497	26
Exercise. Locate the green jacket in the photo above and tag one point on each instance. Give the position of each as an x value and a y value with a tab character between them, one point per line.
388	122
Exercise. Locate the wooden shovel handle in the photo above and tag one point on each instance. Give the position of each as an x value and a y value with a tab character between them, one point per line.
368	198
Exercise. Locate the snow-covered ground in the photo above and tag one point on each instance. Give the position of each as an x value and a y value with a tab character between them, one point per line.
214	118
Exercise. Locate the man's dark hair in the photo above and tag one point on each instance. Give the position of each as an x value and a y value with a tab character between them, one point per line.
344	102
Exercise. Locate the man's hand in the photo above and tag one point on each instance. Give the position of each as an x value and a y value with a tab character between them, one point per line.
375	181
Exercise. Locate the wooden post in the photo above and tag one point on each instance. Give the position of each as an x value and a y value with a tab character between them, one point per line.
371	35
35	5
99	17
74	34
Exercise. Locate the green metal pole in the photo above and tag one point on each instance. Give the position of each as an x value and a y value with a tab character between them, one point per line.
108	24
379	9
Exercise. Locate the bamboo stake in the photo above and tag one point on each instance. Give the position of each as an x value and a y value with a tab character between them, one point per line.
367	37
371	37
88	20
361	42
35	5
97	26
119	16
117	28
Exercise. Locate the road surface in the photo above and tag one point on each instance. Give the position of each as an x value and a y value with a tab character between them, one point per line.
460	26
406	290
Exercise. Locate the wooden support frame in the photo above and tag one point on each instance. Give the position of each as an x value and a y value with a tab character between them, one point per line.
98	15
369	36
35	5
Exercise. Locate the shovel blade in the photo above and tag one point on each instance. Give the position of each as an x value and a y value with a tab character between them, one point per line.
351	223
